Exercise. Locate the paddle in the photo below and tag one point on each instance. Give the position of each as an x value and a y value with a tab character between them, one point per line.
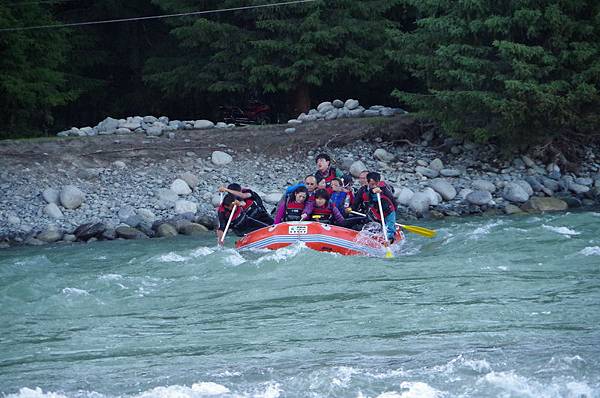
228	223
388	252
428	233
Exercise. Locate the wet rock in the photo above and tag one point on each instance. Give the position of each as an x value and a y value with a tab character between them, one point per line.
479	198
89	230
193	229
543	204
50	235
513	192
166	230
127	232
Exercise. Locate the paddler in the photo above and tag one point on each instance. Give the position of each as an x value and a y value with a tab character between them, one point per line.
248	216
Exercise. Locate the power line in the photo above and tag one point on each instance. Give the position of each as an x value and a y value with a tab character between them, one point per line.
56	26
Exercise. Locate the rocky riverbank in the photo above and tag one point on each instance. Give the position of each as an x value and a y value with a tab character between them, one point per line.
132	187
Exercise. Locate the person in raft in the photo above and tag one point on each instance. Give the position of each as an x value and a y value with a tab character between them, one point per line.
388	204
325	172
243	193
310	183
293	208
322	211
248	216
341	195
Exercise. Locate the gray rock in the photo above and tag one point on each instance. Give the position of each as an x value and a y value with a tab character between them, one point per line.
356	168
193	229
436	164
126	232
119	164
290	130
166	195
166	230
51	195
108	125
483	185
221	158
14	220
126	212
427	172
528	161
180	187
294	121
69	238
383	155
191	179
550	183
513	192
578	188
584	181
534	183
203	124
449	173
89	230
338	103
324	107
351	104
435	198
404	196
149	119
146	215
540	204
512	209
371	113
526	187
185	206
71	197
273	198
444	188
420	202
479	198
53	211
50	235
332	114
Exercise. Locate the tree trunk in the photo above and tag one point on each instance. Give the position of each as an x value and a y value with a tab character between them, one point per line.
300	99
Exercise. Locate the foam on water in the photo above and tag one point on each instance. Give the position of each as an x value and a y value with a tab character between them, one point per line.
110	277
233	257
26	392
202	251
283	254
416	389
510	383
590	251
172	258
72	291
484	230
561	230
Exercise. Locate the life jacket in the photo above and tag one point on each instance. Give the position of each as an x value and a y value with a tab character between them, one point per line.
322	214
240	217
373	207
293	211
328	178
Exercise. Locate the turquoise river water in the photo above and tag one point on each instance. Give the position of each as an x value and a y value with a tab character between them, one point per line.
503	307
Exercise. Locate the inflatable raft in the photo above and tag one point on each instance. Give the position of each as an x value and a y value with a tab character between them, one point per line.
317	236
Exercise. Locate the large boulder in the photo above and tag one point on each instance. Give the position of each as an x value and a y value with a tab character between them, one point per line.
273	198
193	229
53	211
356	168
436	164
404	196
513	192
220	158
351	104
50	235
185	206
420	202
127	232
444	188
71	197
542	204
479	198
87	231
51	195
383	155
483	185
191	179
166	230
427	172
180	187
203	124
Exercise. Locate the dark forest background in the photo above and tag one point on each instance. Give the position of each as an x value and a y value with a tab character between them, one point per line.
515	71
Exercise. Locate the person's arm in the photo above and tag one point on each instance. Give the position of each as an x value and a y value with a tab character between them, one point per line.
308	209
280	212
339	219
357	199
239	194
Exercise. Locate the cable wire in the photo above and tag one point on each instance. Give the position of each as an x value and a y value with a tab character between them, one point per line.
67	25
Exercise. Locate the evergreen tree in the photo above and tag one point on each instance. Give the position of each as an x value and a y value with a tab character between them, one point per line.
521	71
287	49
31	80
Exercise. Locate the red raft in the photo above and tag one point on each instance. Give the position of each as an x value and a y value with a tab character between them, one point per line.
317	236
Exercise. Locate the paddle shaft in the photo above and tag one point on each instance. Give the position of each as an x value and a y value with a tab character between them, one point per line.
428	233
383	228
228	223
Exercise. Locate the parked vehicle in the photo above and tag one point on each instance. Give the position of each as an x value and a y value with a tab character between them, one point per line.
255	112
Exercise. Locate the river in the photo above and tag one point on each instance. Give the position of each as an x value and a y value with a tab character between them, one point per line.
491	307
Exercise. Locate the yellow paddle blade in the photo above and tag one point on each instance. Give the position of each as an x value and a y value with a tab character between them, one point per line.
428	233
388	253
